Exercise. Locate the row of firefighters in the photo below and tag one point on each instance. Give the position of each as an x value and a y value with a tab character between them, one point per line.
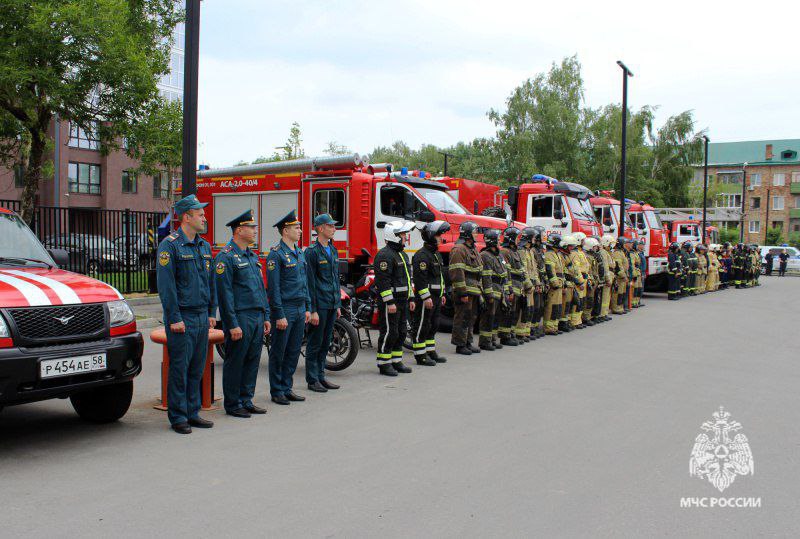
518	288
695	270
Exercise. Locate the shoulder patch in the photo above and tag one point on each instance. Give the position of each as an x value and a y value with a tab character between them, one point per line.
163	258
220	268
423	265
384	265
270	265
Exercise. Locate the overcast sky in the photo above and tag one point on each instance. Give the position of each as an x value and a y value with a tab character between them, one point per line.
367	73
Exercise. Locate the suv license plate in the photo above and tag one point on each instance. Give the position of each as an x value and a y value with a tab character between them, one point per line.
52	368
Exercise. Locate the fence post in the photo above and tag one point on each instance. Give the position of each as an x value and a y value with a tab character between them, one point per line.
127	250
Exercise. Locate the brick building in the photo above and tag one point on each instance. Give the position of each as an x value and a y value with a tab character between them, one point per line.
771	194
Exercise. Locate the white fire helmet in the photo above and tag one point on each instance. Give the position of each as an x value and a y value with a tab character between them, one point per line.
590	243
568	240
608	240
393	229
580	236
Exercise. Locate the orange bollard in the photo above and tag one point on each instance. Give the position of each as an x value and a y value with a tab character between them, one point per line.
215	336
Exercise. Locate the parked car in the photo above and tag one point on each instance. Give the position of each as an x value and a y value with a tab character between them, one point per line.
62	335
141	249
88	253
792	265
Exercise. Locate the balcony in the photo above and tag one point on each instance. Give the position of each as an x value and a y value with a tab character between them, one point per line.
794	213
795	188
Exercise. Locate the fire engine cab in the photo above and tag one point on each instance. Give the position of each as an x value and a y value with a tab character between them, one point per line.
62	334
360	197
646	221
691	230
561	207
606	211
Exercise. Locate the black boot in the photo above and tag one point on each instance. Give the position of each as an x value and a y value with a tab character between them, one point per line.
463	350
399	367
497	345
508	341
486	346
387	370
436	357
425	360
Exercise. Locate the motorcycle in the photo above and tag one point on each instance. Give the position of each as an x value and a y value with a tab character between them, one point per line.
342	351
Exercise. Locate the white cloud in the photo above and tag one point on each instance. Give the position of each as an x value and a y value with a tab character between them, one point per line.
368	73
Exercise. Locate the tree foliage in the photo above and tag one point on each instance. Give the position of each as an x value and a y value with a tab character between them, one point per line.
156	140
86	61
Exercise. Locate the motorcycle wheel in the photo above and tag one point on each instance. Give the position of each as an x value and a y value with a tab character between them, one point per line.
344	346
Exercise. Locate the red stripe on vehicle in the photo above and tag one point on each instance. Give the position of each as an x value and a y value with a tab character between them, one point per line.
51	294
10	296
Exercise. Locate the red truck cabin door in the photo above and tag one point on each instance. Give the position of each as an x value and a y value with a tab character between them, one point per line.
331	196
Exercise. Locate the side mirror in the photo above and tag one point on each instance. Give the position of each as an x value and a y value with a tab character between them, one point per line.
60	256
563	223
607	221
640	225
380	224
426	216
558	214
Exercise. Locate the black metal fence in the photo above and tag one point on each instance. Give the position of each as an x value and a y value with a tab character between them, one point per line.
114	246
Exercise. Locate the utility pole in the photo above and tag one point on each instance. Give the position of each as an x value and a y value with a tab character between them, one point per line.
625	74
191	62
705	188
446	155
744	190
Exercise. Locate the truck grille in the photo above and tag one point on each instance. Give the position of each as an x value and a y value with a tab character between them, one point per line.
41	325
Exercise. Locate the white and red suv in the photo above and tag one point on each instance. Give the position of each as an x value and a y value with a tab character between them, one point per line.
62	334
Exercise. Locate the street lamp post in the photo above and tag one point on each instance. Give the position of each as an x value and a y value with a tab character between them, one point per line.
446	155
705	187
191	63
744	187
625	74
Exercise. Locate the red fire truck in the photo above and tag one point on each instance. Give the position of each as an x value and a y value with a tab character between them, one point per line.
646	222
606	211
361	197
561	207
691	230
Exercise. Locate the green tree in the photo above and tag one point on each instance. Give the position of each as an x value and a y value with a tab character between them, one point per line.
334	148
730	235
542	127
86	61
156	140
675	148
774	236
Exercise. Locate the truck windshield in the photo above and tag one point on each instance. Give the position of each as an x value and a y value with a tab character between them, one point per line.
18	243
581	209
441	200
652	219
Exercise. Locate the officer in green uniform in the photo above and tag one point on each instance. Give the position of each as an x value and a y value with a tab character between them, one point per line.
322	260
189	302
244	310
429	291
287	289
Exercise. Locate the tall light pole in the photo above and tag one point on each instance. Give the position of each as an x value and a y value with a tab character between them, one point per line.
744	187
625	74
705	187
446	155
191	62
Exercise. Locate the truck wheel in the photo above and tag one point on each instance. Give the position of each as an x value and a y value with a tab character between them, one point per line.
344	346
103	404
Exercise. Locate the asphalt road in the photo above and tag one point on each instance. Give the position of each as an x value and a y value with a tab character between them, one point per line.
584	434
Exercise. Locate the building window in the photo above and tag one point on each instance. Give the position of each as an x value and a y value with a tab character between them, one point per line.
797	202
78	138
755	227
734	178
755	203
777	203
729	200
84	178
755	180
777	224
795	177
19	176
129	183
161	186
779	180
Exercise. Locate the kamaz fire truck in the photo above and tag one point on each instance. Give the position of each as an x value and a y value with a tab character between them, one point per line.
561	207
360	197
646	222
690	230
